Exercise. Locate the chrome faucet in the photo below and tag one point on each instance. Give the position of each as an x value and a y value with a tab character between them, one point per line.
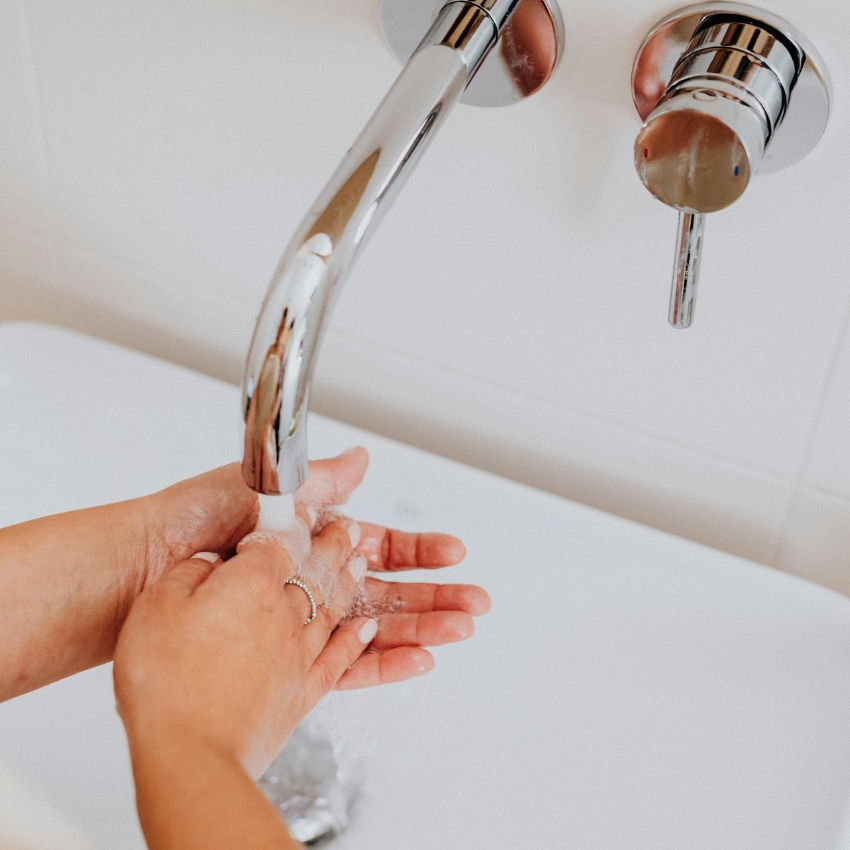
726	90
495	51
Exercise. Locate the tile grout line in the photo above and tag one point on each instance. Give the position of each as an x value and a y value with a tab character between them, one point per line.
799	474
834	495
37	106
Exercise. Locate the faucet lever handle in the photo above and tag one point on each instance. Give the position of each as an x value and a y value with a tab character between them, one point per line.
683	295
725	91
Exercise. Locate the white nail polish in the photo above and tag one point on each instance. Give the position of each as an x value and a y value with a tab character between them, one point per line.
367	631
206	556
354	534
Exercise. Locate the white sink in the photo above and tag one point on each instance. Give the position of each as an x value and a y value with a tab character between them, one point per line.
628	690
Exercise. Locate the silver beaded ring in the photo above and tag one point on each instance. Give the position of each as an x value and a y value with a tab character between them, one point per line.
299	583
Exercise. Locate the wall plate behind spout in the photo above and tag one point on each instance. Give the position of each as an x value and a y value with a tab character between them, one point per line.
808	112
527	53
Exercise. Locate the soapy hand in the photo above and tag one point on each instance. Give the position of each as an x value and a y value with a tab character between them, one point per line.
410	616
214	668
217	653
213	511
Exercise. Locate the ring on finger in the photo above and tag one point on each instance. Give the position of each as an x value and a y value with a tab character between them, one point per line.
298	583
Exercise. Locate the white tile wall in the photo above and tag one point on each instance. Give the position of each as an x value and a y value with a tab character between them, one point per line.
155	156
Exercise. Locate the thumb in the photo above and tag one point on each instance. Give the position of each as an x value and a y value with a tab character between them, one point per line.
343	648
187	576
333	480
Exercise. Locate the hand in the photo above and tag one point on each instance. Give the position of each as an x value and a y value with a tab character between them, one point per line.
213	669
218	652
411	616
68	581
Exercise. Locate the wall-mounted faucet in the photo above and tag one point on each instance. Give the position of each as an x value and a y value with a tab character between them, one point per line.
489	52
726	91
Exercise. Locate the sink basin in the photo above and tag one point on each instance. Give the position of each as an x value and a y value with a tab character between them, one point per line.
629	689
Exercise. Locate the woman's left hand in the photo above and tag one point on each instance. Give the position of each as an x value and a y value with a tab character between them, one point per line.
411	616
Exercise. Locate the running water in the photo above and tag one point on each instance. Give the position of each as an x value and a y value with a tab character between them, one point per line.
317	777
315	780
277	513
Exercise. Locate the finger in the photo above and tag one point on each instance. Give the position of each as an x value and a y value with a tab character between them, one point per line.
343	648
332	481
417	598
383	668
433	628
259	569
332	585
325	565
389	549
188	576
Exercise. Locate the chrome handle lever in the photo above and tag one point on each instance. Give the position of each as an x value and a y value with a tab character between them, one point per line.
725	91
683	295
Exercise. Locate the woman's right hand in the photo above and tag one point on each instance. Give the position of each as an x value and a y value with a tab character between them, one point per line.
218	653
213	670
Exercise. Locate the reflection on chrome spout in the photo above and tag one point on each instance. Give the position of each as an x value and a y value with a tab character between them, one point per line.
282	356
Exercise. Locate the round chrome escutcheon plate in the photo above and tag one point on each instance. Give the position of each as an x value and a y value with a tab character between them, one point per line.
527	53
808	110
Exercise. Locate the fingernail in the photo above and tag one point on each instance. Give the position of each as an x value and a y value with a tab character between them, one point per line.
206	556
354	534
350	451
367	631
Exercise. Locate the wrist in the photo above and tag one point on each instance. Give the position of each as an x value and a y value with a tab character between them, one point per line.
132	552
192	796
165	748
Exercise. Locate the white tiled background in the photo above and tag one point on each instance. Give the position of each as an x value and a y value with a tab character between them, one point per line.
155	156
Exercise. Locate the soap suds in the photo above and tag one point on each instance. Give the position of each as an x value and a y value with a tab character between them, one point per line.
371	605
357	567
344	591
338	590
278	524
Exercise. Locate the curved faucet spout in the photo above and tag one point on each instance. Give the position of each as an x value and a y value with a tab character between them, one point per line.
286	340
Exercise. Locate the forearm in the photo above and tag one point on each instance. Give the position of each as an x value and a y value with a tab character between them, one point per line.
191	797
66	582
